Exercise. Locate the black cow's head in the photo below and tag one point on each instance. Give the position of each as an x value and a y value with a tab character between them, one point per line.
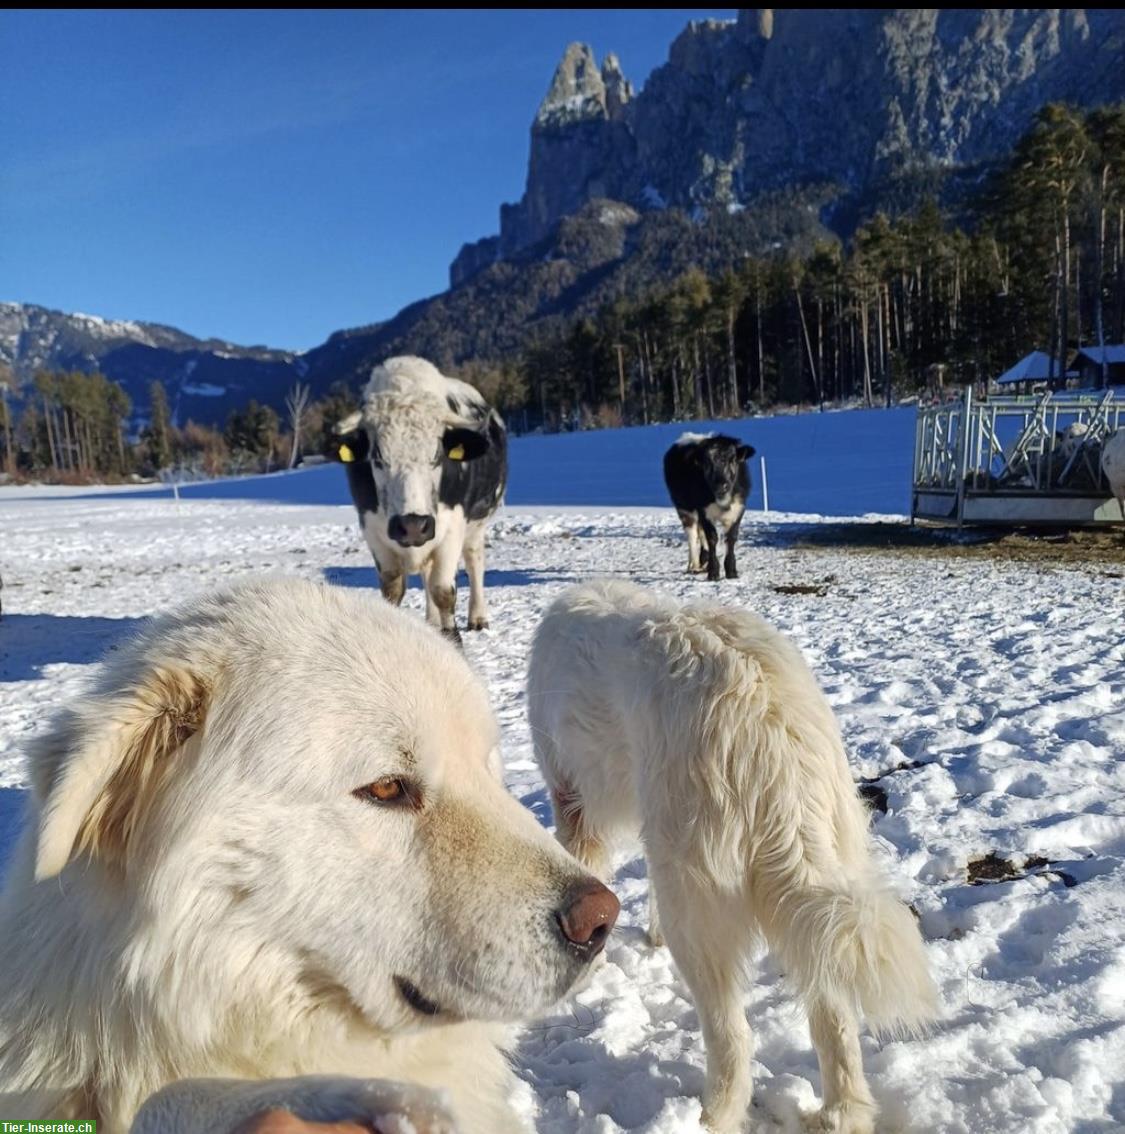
720	459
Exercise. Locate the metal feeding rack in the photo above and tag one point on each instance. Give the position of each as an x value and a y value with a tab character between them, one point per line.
1016	460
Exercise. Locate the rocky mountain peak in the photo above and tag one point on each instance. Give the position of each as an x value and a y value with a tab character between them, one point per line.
693	50
852	99
755	23
618	89
577	90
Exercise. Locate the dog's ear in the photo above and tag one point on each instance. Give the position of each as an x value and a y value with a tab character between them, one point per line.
98	771
744	452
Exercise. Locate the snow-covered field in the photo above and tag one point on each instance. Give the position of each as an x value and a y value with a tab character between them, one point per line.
839	463
986	692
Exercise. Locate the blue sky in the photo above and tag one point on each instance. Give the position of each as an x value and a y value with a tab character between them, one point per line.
270	177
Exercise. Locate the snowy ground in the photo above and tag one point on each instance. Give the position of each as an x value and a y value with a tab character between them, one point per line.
838	463
987	692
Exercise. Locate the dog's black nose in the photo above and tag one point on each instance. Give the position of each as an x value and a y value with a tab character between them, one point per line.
587	915
411	530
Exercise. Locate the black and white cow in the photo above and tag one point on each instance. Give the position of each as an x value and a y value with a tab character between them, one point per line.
427	464
709	482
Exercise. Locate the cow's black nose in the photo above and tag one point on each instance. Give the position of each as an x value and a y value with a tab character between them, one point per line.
411	530
587	915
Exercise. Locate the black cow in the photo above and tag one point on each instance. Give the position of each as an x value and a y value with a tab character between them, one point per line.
709	482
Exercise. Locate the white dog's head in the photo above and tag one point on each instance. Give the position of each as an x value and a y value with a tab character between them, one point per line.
291	795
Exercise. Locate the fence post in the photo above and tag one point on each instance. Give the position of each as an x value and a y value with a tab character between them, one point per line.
963	454
765	491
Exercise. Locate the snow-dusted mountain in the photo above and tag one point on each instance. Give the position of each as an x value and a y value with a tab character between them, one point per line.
768	132
205	379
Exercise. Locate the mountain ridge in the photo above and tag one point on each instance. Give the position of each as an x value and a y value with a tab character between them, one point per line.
764	134
758	103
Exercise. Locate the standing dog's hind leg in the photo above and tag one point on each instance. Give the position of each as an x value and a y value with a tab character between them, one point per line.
848	1105
710	939
573	831
655	933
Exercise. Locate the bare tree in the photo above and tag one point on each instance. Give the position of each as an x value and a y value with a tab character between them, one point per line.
808	342
5	384
297	403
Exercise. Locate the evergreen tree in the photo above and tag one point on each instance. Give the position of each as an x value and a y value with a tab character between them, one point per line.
157	436
250	432
1106	129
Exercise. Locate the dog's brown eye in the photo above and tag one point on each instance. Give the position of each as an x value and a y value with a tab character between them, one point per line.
389	790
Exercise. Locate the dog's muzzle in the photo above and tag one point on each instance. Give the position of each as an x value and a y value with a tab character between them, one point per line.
588	913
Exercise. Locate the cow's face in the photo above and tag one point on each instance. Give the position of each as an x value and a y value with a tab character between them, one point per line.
719	460
408	440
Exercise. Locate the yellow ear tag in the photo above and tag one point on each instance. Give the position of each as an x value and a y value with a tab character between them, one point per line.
346	455
457	453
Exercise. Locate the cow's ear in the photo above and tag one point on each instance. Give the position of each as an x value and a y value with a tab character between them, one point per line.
464	444
347	440
348	447
744	452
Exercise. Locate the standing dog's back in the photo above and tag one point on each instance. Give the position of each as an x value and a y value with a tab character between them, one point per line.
702	727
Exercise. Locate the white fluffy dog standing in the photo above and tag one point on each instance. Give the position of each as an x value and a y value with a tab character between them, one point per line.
702	728
1113	465
273	841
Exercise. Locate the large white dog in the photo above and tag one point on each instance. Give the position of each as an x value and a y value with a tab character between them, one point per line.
273	841
1113	465
702	728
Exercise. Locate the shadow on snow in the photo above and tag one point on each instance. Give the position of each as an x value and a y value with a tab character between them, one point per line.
368	579
28	642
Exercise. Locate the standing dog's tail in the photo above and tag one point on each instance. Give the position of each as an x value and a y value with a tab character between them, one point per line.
860	945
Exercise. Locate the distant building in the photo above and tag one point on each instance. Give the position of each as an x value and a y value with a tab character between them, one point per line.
1089	364
1032	370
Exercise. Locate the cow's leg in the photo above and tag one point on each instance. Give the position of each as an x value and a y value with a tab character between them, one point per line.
691	530
441	586
392	581
431	610
474	567
711	535
729	567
